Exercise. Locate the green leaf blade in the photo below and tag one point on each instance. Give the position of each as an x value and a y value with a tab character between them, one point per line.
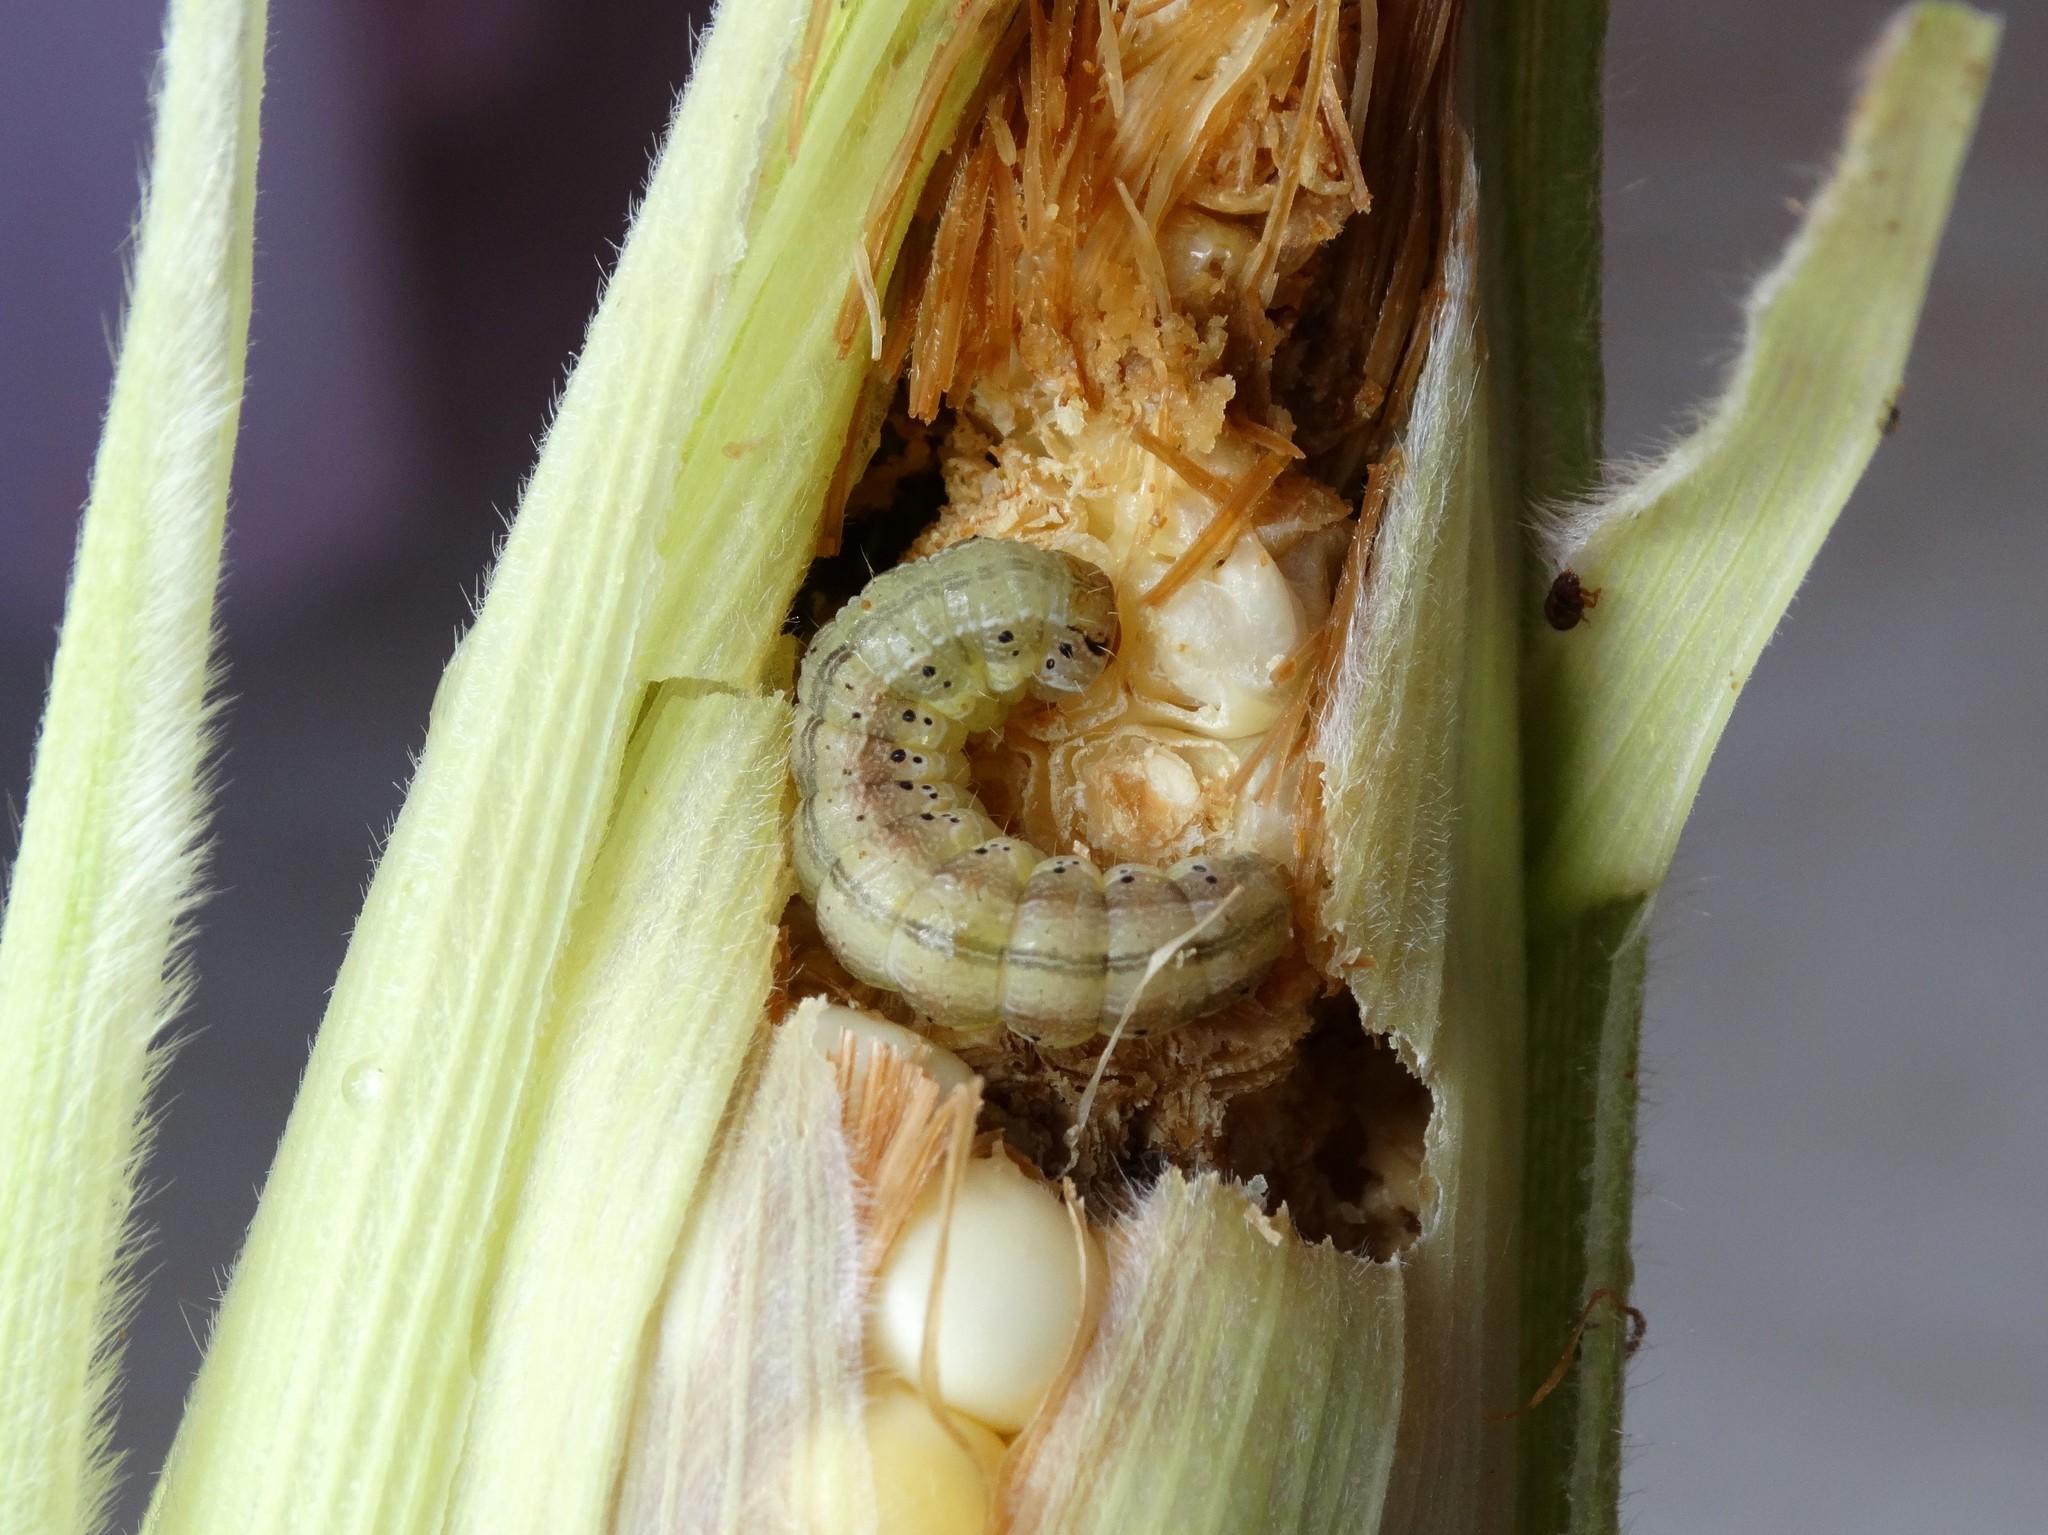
91	962
1697	560
1695	563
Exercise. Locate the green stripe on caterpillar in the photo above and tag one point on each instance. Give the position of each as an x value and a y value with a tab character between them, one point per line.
918	890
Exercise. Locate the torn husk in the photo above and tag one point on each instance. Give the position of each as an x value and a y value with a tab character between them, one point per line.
754	1387
1241	1379
757	1344
1421	882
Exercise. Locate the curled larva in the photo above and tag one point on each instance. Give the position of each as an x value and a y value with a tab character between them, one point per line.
916	889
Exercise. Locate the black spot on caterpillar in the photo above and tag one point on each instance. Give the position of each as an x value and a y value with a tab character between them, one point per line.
916	889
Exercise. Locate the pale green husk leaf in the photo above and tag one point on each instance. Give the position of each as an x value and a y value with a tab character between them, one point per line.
1240	1380
338	1391
662	989
1422	853
91	964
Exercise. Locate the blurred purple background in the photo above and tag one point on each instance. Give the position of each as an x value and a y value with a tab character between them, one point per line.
1841	1224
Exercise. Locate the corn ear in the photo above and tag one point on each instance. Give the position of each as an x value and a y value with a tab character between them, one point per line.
377	1245
91	953
561	975
1175	1420
1695	561
1241	1378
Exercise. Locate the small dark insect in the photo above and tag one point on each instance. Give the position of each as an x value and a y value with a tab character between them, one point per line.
1566	604
1891	419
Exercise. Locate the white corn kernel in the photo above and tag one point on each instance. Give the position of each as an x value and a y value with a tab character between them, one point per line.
926	1481
830	1022
1012	1301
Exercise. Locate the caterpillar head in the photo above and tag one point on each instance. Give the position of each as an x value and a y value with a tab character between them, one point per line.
1080	640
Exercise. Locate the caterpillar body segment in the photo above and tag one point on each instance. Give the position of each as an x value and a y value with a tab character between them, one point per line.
918	890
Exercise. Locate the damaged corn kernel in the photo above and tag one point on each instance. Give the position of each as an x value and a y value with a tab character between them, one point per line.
1146	242
831	1023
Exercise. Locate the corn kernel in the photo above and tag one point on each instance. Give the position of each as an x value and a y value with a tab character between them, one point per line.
1013	1299
926	1481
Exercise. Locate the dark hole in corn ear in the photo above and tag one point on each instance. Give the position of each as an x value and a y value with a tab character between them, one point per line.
1340	1138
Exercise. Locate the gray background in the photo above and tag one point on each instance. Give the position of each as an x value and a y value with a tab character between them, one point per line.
1840	1228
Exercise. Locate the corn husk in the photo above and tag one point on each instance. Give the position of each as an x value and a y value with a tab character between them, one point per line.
92	967
339	1388
1422	894
1240	1376
749	1411
1227	1342
664	977
756	1353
